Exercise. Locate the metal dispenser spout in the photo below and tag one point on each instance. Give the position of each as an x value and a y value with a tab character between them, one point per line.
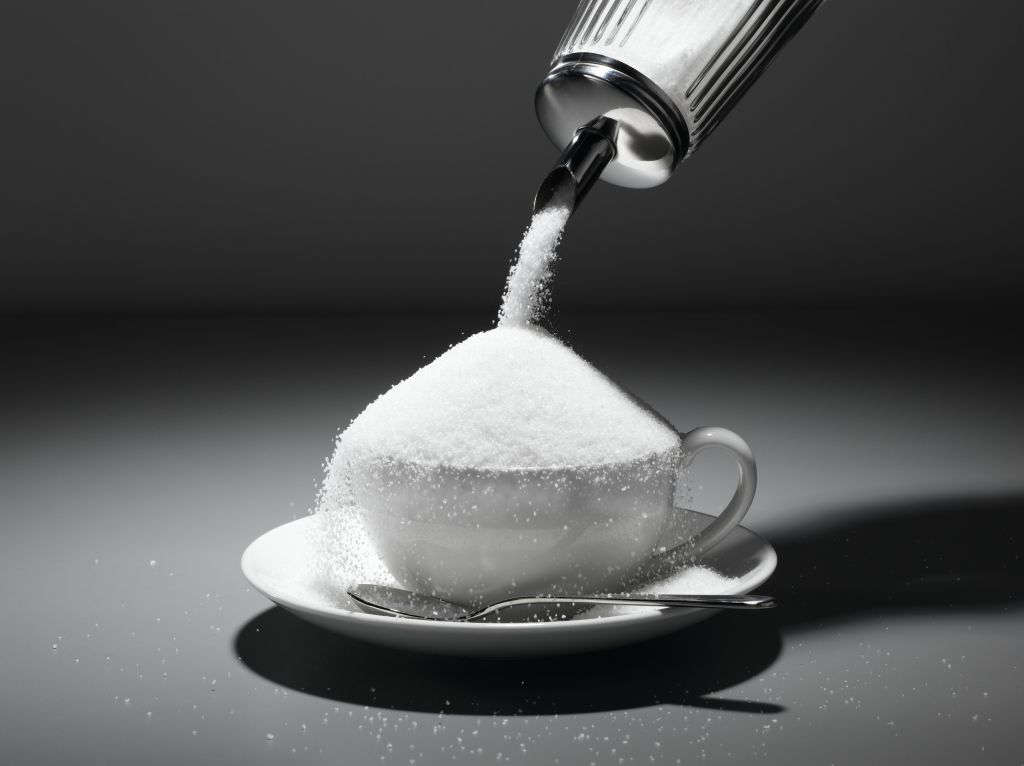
581	164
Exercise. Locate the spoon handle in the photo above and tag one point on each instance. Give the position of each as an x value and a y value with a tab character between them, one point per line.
750	601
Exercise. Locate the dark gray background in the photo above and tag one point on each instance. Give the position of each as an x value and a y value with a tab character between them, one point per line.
329	156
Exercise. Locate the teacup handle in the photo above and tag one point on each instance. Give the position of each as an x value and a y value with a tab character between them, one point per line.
700	439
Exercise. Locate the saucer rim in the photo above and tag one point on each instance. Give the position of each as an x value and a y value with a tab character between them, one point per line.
757	576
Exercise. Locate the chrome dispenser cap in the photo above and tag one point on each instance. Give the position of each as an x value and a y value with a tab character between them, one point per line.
652	135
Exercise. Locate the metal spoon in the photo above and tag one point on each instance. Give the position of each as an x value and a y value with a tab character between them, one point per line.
396	602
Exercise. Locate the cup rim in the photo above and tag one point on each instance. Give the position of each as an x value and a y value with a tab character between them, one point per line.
654	455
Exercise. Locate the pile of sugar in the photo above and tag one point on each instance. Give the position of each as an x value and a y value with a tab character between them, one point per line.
510	397
527	292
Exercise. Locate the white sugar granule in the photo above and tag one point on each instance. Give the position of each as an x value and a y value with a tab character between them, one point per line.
510	397
341	552
527	292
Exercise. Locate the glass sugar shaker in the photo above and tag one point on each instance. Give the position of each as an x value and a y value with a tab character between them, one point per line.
635	86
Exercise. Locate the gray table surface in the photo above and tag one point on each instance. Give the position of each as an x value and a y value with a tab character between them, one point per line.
138	457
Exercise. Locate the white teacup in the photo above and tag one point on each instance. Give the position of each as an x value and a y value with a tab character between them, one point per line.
475	535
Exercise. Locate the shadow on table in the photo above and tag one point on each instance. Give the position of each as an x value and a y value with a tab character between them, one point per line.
923	556
683	669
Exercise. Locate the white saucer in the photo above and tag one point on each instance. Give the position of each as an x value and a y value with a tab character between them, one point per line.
278	565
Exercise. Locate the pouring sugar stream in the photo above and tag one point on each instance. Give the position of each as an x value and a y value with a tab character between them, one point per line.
509	464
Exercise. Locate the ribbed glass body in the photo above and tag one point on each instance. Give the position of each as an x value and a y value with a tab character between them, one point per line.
703	54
